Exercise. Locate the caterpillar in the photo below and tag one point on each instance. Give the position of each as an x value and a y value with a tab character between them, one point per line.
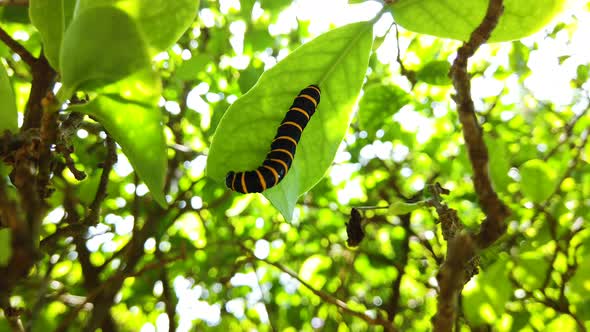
282	149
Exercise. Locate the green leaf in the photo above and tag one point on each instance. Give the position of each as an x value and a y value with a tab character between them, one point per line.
457	19
5	246
14	14
531	270
188	70
161	22
499	162
378	104
399	208
435	73
128	111
580	282
538	180
8	111
101	46
50	18
248	78
485	297
337	61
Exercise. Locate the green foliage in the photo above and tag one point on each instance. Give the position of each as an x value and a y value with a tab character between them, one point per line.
457	19
435	73
537	180
378	104
499	163
484	302
336	61
8	111
161	84
87	55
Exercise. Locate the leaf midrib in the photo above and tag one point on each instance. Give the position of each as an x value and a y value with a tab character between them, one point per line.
342	54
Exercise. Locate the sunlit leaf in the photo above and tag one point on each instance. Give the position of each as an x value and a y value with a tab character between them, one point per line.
456	19
337	61
538	180
101	46
161	22
8	111
128	112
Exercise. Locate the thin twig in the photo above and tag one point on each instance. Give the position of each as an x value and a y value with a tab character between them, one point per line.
378	320
17	48
101	192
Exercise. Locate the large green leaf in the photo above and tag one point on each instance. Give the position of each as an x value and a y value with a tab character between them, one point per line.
101	46
161	22
8	111
128	112
538	180
337	61
456	19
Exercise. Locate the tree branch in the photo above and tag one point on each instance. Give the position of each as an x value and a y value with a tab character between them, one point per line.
496	211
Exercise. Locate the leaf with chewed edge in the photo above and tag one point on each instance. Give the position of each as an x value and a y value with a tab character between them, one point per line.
337	61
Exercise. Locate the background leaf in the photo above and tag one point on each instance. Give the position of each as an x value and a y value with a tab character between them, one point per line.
337	61
484	302
8	111
435	73
499	163
378	104
538	180
456	19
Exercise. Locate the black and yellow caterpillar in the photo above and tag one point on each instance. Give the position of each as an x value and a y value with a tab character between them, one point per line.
282	149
